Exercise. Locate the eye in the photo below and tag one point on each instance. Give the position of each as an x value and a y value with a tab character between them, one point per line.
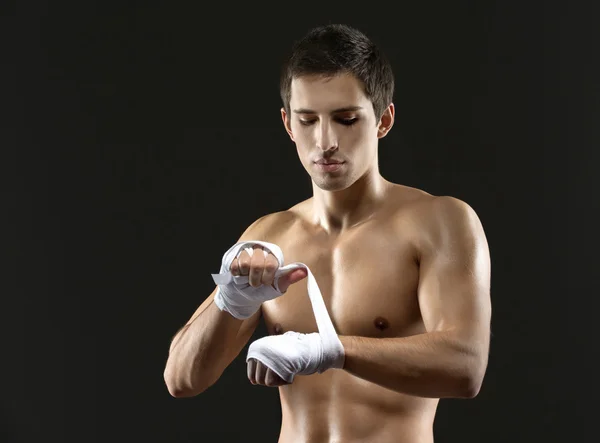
343	121
347	121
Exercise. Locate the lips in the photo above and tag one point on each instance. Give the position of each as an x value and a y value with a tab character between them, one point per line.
329	162
329	165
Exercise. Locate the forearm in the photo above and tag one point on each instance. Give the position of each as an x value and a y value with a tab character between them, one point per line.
200	352
435	364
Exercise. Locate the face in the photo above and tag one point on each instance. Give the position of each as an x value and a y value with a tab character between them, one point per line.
333	125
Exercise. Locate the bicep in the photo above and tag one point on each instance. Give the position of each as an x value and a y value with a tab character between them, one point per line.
454	282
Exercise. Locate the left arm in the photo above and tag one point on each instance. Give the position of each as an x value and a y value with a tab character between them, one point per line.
450	359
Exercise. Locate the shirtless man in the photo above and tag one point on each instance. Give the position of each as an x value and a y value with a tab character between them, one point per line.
404	275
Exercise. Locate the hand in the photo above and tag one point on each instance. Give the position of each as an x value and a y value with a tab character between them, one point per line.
260	374
294	354
260	267
251	275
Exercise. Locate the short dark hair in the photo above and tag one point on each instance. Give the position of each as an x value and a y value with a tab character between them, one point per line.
336	49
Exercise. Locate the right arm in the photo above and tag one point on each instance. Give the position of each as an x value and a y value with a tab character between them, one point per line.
204	347
209	341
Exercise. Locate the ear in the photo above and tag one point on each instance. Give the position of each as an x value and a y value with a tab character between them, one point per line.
286	123
386	122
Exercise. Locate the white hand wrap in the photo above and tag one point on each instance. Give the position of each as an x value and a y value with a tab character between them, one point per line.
294	354
235	295
291	353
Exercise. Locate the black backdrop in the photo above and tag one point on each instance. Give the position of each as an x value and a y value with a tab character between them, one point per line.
141	138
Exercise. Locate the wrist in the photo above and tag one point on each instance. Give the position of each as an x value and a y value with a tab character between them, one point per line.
227	301
348	344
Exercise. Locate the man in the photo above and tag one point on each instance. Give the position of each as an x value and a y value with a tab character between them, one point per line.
404	276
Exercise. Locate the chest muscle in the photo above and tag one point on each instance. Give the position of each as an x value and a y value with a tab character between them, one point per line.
368	280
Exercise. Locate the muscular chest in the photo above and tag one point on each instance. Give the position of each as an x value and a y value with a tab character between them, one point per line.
368	279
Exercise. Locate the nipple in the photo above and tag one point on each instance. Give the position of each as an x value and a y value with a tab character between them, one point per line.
381	323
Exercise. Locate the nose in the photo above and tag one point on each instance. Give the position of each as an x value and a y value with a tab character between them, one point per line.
326	137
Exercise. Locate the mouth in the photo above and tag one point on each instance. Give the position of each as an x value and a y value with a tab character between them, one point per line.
329	165
329	162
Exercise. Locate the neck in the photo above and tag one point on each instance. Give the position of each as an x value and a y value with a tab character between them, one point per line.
336	211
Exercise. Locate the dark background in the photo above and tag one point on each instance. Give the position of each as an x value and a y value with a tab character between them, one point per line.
139	139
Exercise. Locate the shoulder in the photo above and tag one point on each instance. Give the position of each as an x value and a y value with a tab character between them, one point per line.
447	222
271	227
434	220
428	210
451	212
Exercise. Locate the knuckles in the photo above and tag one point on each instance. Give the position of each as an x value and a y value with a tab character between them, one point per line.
255	265
271	379
244	262
270	267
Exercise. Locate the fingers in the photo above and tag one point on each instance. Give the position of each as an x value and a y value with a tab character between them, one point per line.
271	265
243	262
259	374
260	267
235	267
257	266
290	278
251	368
260	371
274	380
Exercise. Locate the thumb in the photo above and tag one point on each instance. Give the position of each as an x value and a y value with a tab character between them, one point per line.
290	278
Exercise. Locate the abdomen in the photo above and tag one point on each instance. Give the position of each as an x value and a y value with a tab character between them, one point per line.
338	407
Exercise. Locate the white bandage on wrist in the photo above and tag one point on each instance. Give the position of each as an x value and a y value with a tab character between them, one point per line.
234	294
291	353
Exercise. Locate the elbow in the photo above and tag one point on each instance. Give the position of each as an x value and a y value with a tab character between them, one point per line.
471	380
468	387
174	386
177	390
180	387
180	392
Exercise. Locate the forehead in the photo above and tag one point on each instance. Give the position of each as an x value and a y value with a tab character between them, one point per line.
324	93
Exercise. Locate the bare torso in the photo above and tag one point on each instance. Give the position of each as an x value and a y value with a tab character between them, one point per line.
368	275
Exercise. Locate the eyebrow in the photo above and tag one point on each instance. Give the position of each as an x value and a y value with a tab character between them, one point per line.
335	111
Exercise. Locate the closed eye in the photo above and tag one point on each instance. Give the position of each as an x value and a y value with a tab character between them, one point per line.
343	121
347	121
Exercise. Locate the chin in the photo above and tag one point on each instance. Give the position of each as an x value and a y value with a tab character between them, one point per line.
332	184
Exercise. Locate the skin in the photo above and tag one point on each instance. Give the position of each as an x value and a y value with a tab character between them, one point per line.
405	276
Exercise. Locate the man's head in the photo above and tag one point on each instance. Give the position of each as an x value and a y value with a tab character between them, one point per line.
337	90
333	49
